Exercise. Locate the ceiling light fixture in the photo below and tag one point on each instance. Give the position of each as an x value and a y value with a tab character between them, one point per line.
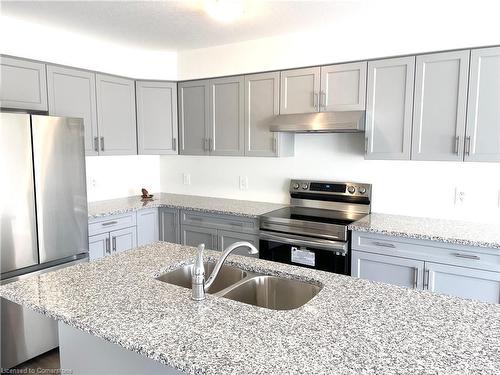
224	10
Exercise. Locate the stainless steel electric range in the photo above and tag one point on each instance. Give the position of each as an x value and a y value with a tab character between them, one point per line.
313	232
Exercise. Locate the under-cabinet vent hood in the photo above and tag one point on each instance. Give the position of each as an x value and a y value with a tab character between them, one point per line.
320	122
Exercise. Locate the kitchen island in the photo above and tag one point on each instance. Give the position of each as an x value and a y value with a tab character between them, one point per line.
352	326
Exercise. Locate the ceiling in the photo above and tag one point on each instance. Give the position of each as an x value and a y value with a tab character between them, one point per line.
176	25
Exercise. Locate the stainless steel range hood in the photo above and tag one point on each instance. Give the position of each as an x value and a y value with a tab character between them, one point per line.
320	122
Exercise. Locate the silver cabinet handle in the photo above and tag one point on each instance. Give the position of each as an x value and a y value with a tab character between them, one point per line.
210	144
366	145
275	145
107	247
383	244
174	144
467	145
467	256
109	223
322	96
315	100
426	279
205	144
96	144
114	243
457	142
102	143
415	278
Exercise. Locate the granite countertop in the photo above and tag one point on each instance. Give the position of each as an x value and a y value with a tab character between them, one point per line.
449	231
352	326
212	205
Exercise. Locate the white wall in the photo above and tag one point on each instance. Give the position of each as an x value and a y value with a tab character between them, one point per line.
399	187
26	39
364	30
121	176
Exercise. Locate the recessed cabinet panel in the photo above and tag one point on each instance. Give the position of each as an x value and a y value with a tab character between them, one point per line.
147	226
169	225
440	106
156	117
123	239
343	87
116	115
23	84
300	90
72	93
226	238
99	246
226	135
483	117
193	236
389	108
193	117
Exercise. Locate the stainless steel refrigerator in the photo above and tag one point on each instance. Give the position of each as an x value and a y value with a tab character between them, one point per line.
43	218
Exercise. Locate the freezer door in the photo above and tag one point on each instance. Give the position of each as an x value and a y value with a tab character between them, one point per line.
18	242
60	186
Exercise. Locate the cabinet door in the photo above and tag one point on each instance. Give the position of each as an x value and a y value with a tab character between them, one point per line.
440	106
343	87
463	282
387	269
116	115
99	246
226	131
156	117
193	117
72	93
226	238
169	225
123	239
193	236
300	90
389	108
261	105
23	84
483	115
147	226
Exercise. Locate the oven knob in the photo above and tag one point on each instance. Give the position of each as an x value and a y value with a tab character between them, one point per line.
305	186
296	186
351	189
362	190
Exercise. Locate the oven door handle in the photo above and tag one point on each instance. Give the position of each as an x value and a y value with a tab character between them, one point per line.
292	239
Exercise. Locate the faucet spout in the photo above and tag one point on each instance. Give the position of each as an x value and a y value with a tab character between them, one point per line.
199	285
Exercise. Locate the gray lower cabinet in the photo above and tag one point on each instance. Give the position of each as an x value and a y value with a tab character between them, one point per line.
387	269
156	117
389	106
226	238
169	225
440	106
123	239
147	226
261	105
343	87
99	246
300	90
482	141
193	236
72	93
116	115
193	99
23	84
226	125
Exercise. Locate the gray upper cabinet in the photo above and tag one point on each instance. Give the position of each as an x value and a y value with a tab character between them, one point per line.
300	90
193	117
116	115
226	130
389	107
343	87
483	116
72	93
440	106
23	84
156	117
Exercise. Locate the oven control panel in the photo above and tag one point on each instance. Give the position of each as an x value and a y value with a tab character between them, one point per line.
330	188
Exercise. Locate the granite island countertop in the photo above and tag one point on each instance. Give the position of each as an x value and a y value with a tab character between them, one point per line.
251	209
448	231
352	326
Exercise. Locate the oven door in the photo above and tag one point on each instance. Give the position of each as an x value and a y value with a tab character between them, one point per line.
320	254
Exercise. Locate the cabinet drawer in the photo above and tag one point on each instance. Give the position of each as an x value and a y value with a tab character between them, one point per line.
111	223
427	250
228	222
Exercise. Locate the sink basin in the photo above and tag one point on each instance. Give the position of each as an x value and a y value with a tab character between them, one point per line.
273	292
182	276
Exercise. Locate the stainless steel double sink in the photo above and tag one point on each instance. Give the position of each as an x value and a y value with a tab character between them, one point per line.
270	292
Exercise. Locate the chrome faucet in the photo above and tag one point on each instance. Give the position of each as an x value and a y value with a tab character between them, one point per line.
198	283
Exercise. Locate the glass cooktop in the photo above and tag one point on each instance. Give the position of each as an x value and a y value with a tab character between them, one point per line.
313	215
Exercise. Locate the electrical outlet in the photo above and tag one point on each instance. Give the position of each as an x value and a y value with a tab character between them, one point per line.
498	199
186	178
460	197
243	182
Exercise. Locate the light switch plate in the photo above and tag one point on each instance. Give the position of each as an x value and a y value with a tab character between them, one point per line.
460	197
243	182
186	178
